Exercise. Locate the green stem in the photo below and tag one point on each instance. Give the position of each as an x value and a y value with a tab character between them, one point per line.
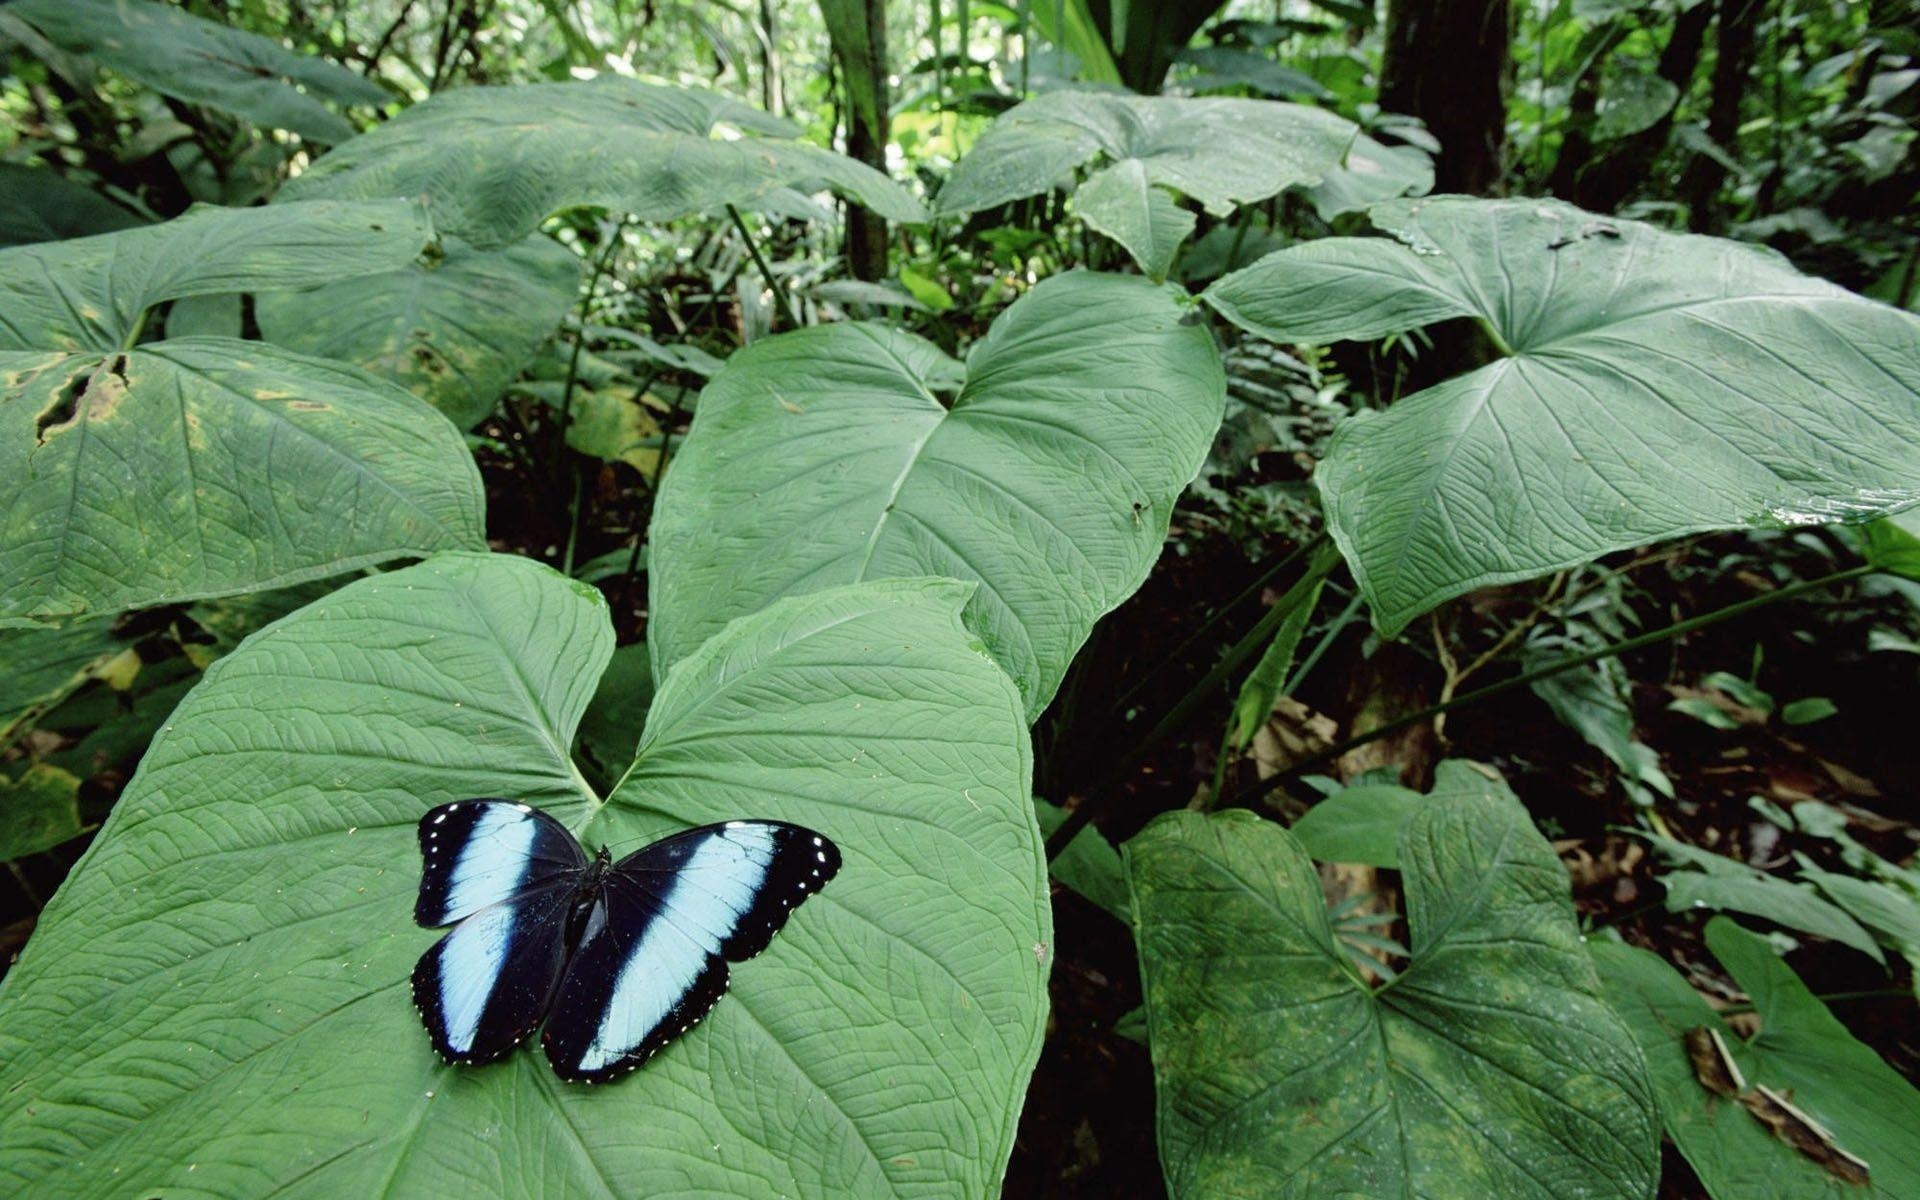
133	334
1325	559
574	511
1220	760
1320	647
26	885
653	488
1275	566
600	263
773	285
1612	650
1493	335
1239	237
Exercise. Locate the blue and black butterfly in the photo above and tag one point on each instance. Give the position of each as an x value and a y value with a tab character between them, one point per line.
618	958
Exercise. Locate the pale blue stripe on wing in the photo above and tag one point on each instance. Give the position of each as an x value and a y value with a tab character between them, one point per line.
471	959
495	860
712	892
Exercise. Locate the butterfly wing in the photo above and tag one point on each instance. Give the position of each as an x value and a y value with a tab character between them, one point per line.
481	852
505	876
653	959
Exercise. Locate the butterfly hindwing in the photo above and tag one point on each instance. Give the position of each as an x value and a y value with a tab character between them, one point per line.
476	853
485	986
653	960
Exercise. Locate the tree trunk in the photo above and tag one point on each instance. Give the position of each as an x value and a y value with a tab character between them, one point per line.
1604	184
1583	115
1445	62
1739	20
772	92
858	30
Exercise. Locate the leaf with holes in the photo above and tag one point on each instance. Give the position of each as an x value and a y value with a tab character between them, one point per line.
496	161
1656	385
823	456
217	1001
1487	1067
204	466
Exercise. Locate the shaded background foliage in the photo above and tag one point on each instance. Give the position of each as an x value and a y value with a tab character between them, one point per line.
1753	766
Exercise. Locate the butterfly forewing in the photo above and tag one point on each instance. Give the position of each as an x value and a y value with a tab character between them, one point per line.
654	960
477	853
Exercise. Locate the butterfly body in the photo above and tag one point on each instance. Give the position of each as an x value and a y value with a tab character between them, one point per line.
617	958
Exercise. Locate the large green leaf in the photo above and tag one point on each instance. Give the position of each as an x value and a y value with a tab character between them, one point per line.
1658	384
823	456
89	293
1801	1051
1144	219
1729	885
216	1002
41	667
1487	1067
38	810
192	59
1221	152
203	466
37	205
453	329
496	161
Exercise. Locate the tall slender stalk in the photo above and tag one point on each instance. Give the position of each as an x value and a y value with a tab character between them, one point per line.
600	263
1269	571
773	285
1325	559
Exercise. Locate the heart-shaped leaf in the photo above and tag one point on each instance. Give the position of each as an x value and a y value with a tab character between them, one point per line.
1372	172
216	1002
203	62
823	456
204	466
496	161
453	329
1657	385
1144	219
1487	1067
1221	152
89	293
1801	1051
